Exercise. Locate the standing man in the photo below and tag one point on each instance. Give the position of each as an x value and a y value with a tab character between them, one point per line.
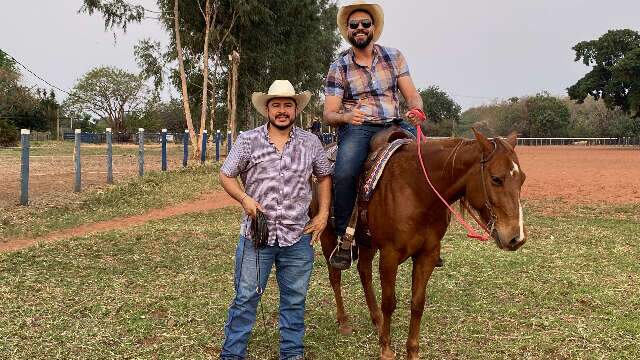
275	162
361	98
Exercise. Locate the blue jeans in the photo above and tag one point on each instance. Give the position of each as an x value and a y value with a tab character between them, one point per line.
293	271
353	149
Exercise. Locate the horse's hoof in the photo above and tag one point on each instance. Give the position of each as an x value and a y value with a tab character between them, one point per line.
387	355
345	330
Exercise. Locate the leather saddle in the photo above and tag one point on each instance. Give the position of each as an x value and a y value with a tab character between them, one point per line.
378	148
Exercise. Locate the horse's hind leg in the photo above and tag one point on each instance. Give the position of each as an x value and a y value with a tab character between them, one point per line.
389	261
328	242
365	261
423	265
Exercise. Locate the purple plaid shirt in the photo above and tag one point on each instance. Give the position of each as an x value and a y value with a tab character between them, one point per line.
376	86
280	182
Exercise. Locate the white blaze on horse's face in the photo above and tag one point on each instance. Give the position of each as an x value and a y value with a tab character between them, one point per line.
515	170
507	179
521	221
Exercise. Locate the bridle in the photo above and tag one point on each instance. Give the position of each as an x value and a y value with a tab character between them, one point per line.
490	226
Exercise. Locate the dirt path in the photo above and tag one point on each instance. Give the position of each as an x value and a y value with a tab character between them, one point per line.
206	202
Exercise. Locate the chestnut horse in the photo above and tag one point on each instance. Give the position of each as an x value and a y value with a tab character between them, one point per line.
407	220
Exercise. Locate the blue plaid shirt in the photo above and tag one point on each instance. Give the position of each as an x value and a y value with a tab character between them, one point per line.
376	87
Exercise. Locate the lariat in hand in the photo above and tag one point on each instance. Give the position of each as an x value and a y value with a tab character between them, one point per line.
260	230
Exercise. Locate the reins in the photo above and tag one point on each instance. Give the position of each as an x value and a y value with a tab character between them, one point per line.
471	232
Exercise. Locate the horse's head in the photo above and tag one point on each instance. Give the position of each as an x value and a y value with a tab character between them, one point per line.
495	193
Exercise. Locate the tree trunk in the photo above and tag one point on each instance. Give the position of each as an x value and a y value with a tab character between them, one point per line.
183	79
205	68
232	99
214	99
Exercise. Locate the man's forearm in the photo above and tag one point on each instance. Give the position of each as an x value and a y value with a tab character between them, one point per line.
333	118
324	195
415	102
232	187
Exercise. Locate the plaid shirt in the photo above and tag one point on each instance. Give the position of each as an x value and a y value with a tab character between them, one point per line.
279	182
377	86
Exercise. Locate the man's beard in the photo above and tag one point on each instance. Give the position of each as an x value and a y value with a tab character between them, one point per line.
361	44
281	127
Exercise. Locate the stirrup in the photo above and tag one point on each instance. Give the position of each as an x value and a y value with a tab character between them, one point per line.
341	258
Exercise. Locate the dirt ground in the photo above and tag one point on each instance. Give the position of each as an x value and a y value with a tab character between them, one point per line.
573	174
52	176
581	175
206	202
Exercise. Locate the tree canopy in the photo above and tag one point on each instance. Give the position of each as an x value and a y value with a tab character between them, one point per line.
548	116
110	94
277	39
22	106
615	74
442	111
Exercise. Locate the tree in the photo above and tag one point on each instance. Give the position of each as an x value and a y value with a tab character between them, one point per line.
169	115
21	106
8	133
293	39
442	110
284	39
615	74
548	116
109	94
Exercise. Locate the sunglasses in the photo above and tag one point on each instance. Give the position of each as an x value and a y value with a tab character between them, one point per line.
366	23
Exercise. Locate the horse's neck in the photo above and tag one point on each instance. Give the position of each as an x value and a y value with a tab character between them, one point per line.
452	166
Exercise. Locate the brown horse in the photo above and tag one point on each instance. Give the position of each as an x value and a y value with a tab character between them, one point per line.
407	220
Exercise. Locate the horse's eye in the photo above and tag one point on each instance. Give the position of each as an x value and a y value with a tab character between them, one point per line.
496	181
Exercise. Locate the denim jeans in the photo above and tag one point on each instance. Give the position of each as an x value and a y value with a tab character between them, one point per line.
353	149
293	271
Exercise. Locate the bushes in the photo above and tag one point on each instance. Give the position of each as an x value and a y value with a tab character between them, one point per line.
548	116
8	133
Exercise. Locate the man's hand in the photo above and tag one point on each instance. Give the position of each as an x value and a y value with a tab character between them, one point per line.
249	205
316	227
416	116
355	116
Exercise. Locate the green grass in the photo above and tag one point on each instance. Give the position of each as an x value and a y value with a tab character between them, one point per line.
161	291
132	197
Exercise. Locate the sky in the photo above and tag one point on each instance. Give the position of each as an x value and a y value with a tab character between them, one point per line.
477	51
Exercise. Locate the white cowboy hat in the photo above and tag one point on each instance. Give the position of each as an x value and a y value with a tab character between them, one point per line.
280	89
374	9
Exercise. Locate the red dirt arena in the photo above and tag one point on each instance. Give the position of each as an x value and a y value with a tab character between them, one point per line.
593	174
584	174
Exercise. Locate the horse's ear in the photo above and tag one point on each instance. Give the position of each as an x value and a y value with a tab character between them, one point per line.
512	139
485	145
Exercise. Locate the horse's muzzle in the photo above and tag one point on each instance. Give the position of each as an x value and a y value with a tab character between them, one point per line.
508	240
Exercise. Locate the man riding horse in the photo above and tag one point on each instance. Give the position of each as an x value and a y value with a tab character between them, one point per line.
361	99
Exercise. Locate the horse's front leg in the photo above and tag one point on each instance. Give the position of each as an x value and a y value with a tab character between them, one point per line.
423	265
389	260
328	242
365	270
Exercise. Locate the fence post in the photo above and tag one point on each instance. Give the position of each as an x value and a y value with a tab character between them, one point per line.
185	141
24	172
217	145
109	156
140	152
203	153
164	149
229	144
76	155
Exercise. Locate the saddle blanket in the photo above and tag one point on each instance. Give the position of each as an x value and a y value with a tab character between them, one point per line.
375	172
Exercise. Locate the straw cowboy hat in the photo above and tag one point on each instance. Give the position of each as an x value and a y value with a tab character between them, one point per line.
374	9
280	89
